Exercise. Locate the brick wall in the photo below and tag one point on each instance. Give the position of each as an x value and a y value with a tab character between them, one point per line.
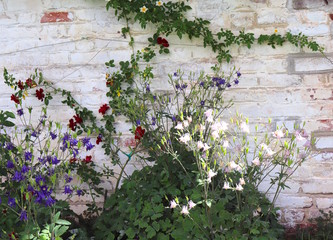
69	40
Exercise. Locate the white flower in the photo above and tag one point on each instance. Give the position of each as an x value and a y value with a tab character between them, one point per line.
239	187
226	185
299	137
159	3
173	204
143	9
255	213
215	134
179	126
185	138
233	165
263	146
256	161
211	174
241	181
270	152
206	147
278	134
209	115
201	128
191	204
225	144
200	145
189	119
185	210
186	123
244	127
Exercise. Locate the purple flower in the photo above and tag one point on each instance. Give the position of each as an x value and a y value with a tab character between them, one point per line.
68	190
39	179
9	146
85	141
10	164
28	156
49	201
215	79
174	118
25	169
18	177
228	85
148	88
55	160
53	135
30	188
184	86
34	134
202	84
68	179
89	146
79	192
202	103
73	142
20	112
238	74
138	122
175	74
23	216
154	97
236	81
177	86
11	202
153	121
221	81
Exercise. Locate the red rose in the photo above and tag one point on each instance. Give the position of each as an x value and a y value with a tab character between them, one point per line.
78	119
139	132
40	94
72	160
98	140
72	124
163	42
30	83
159	40
15	99
88	159
103	109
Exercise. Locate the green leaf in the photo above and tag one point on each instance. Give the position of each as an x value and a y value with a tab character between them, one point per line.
63	222
150	232
130	233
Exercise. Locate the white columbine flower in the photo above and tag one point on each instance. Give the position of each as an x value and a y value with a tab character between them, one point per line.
173	204
209	115
241	181
278	134
186	123
211	174
256	161
200	145
263	146
226	185
245	127
270	152
189	119
185	210
299	137
185	138
179	126
239	187
159	3
233	165
225	144
206	147
191	204
143	9
215	134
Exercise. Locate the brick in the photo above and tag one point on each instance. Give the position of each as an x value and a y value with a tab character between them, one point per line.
324	141
324	203
52	17
307	4
241	20
291	201
309	64
316	186
272	16
293	216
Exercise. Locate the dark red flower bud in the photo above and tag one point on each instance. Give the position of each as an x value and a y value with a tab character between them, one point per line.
139	132
103	109
15	99
78	119
72	124
40	94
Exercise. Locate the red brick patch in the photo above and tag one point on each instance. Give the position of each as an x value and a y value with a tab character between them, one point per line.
331	16
51	17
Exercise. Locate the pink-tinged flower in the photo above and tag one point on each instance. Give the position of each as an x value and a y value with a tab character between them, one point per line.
256	161
201	127
241	181
206	147
179	126
186	124
220	126
299	137
307	144
226	186
239	187
200	145
211	174
225	144
191	204
233	165
215	134
173	204
278	134
185	138
245	127
209	115
270	152
185	210
189	119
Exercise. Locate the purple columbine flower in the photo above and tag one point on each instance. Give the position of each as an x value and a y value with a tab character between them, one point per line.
228	85
20	112
79	192
85	141
73	142
153	121
55	160
148	88
238	74
34	134
39	179
23	216
28	156
138	122
68	179
222	81
202	84
25	169
175	74
184	86
236	81
154	97
174	118
18	177
30	188
177	86
49	201
202	103
53	135
10	164
9	146
11	202
68	190
89	146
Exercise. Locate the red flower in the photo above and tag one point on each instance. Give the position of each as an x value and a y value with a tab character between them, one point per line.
98	140
103	109
40	94
139	132
163	42
15	99
72	160
20	85
30	83
78	119
72	124
88	159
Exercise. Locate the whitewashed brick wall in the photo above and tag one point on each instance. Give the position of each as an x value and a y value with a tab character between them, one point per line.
69	41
